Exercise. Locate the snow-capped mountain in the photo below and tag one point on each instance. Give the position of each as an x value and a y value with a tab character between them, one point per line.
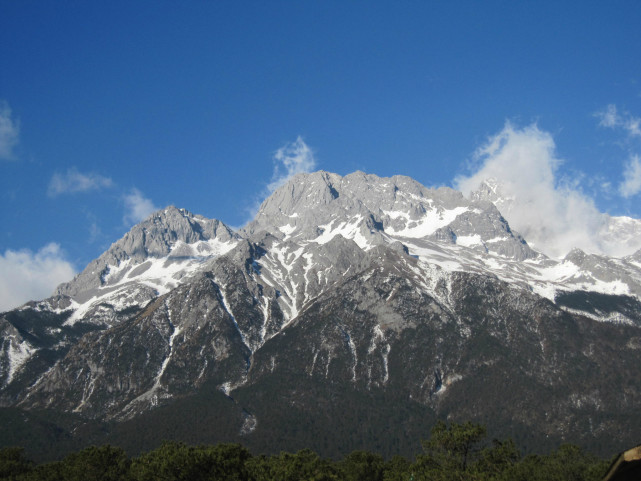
150	260
381	286
598	232
154	257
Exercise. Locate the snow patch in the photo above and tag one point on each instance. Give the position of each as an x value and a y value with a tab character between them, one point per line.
249	424
613	317
545	290
225	388
348	229
430	223
287	229
469	241
227	307
18	354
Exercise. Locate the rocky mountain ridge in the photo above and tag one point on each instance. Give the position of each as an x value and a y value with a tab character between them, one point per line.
375	286
608	234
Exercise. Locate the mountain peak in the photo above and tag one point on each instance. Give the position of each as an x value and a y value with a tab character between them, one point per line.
491	190
371	209
167	233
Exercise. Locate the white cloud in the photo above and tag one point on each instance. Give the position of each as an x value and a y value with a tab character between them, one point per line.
137	206
552	214
611	118
25	275
94	232
9	132
631	184
74	181
633	126
291	159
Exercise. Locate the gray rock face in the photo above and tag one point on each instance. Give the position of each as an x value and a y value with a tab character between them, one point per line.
467	347
622	274
155	237
173	346
152	258
373	209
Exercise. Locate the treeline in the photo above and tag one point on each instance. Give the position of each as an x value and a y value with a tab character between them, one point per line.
454	452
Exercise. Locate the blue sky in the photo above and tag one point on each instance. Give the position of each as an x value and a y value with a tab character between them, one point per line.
111	109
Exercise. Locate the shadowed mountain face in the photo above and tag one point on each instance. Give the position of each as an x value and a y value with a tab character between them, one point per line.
351	313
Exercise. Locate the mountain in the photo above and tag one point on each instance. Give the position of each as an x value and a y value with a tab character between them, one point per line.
149	260
350	313
602	232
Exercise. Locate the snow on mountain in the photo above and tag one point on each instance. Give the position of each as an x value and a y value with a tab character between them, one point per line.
310	235
14	352
438	226
304	227
154	257
381	289
374	210
559	228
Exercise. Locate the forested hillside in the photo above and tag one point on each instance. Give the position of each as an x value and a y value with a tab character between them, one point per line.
453	452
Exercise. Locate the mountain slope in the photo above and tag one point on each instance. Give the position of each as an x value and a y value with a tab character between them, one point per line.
342	289
148	261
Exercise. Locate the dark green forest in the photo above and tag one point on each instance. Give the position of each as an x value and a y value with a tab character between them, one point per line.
454	452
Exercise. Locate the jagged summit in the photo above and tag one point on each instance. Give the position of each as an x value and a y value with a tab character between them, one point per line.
169	231
147	261
374	210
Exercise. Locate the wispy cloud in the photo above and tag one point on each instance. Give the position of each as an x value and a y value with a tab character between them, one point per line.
291	159
633	126
94	232
25	275
553	214
9	132
611	118
137	207
631	184
73	181
608	117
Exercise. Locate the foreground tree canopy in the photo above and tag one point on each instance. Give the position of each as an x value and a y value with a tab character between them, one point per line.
453	452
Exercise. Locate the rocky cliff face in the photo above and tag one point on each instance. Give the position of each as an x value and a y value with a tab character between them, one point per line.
172	234
372	210
343	291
